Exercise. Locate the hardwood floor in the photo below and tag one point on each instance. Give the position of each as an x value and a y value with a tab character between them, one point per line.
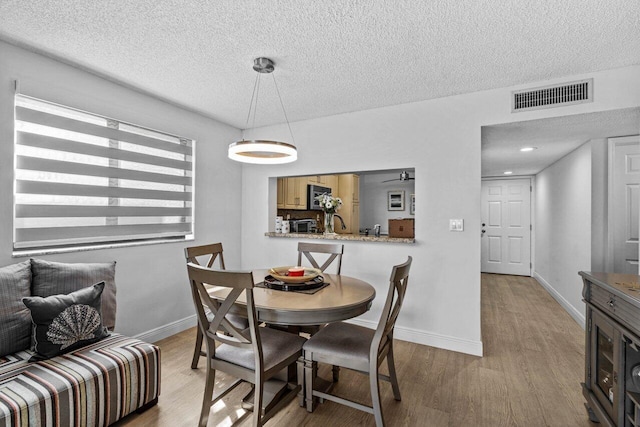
529	376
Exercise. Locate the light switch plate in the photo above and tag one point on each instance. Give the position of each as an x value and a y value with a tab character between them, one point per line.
456	225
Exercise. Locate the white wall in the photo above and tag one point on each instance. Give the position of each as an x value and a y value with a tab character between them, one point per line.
441	139
563	228
151	280
373	199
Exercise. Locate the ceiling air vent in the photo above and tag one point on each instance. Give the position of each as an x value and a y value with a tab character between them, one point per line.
553	96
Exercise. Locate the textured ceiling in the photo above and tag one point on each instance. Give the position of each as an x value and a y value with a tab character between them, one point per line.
332	56
337	56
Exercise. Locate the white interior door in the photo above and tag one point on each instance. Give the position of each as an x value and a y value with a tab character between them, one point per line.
506	226
624	203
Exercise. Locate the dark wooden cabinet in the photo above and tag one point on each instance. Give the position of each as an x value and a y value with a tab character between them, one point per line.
612	348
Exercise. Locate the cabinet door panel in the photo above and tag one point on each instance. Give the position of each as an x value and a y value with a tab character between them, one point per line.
295	193
356	189
355	219
605	360
281	193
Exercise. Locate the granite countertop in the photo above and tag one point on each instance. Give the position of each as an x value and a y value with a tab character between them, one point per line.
352	237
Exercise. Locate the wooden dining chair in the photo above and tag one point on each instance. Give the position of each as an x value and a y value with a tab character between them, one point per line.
207	255
254	355
334	251
359	348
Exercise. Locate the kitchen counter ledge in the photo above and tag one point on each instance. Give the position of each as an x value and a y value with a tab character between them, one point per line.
352	237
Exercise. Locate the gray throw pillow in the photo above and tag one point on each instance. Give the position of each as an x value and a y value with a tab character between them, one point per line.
15	322
54	278
63	323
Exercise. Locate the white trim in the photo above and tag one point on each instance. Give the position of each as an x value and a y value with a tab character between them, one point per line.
167	330
416	336
612	144
608	250
402	333
50	251
573	312
532	189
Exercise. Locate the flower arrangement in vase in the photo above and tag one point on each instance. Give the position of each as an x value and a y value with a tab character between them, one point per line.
329	206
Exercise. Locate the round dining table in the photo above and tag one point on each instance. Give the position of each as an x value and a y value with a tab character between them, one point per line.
344	298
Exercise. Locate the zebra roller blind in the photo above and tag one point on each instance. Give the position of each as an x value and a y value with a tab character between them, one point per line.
82	179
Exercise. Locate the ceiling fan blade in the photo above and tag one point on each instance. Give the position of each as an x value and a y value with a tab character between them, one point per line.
404	176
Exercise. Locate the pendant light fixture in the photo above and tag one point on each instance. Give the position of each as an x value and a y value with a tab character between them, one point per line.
262	151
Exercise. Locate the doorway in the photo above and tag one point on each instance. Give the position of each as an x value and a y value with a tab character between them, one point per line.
506	226
624	204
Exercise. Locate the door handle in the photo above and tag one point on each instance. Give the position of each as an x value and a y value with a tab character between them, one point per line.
484	231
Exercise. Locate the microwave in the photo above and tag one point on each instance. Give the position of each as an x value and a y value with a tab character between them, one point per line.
312	192
303	225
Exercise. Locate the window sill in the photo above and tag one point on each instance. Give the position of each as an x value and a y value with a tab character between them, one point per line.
37	252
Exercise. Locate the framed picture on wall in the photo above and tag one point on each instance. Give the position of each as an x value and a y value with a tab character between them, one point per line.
412	204
395	200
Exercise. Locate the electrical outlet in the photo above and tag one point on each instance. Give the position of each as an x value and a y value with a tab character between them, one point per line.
456	225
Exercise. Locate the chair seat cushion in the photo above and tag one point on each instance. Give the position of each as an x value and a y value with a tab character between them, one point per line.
277	346
342	344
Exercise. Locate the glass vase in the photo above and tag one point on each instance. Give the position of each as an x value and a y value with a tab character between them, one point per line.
328	223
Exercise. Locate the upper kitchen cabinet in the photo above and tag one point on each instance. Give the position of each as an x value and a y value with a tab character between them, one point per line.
295	192
330	181
281	191
292	191
349	187
349	192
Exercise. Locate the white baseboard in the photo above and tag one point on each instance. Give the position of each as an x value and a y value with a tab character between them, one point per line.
406	334
167	330
429	338
577	315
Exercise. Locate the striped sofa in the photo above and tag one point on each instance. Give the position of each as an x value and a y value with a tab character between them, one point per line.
94	385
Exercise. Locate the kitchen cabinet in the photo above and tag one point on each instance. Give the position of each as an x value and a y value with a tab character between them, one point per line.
612	348
330	181
349	192
317	179
295	193
280	193
292	192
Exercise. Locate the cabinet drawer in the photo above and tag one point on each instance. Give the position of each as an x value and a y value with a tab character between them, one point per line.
616	307
627	315
602	299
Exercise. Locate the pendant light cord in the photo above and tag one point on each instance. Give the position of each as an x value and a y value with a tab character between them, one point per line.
254	106
256	85
283	110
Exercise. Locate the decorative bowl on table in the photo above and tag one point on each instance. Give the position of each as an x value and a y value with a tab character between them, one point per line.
291	274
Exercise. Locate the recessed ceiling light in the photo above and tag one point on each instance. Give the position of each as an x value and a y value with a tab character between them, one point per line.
508	172
527	149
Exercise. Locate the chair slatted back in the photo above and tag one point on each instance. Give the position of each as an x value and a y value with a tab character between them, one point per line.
395	297
334	251
212	252
220	328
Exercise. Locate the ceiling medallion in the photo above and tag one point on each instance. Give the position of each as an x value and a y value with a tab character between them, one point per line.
261	151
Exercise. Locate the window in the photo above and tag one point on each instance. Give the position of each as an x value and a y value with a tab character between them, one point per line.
85	180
